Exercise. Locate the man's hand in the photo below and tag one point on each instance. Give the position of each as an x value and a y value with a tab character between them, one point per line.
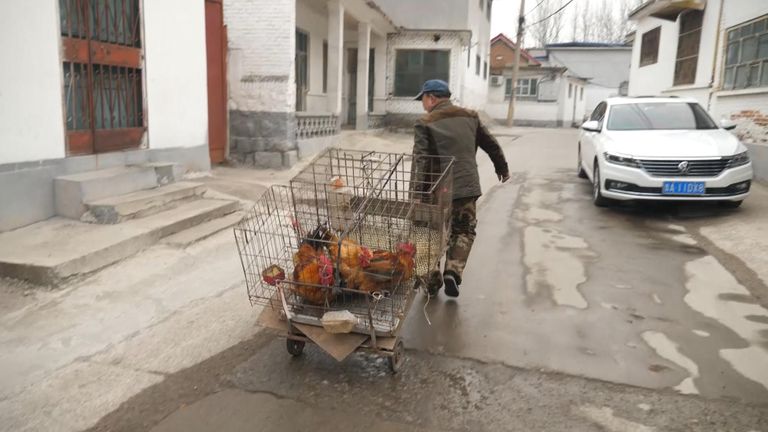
503	177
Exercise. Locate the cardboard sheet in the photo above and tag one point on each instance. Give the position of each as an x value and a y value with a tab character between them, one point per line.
339	346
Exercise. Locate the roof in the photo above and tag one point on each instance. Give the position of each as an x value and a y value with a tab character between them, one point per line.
588	45
647	99
501	37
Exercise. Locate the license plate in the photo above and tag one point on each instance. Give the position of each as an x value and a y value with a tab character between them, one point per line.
683	188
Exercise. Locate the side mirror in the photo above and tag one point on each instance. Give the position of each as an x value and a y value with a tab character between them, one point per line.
591	126
727	124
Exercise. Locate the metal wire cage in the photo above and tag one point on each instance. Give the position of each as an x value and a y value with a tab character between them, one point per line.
343	215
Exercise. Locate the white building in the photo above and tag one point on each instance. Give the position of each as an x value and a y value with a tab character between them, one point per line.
74	100
547	95
445	39
604	65
715	51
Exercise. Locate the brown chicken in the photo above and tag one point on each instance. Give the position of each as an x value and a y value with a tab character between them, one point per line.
313	270
384	270
347	254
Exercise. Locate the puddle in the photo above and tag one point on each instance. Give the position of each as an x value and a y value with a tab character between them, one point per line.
714	292
669	350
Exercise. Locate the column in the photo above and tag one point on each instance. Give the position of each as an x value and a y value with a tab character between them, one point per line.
363	56
335	55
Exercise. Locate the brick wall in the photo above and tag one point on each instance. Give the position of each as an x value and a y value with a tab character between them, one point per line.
752	126
261	37
262	43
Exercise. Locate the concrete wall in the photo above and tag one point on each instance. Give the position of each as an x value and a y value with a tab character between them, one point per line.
31	110
176	73
262	46
475	86
528	111
312	20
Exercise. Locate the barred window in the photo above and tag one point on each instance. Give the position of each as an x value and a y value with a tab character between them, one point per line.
688	47
413	67
746	57
649	47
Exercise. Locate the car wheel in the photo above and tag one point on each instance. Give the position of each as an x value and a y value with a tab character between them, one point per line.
597	195
730	204
579	169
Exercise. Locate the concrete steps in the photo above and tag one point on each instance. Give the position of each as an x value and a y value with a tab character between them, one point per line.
201	232
139	204
49	252
72	192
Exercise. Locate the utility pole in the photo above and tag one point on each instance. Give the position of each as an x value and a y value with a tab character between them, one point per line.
516	68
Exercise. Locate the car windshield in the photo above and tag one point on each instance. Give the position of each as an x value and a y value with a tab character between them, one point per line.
655	116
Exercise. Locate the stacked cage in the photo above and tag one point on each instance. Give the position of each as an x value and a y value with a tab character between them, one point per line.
354	231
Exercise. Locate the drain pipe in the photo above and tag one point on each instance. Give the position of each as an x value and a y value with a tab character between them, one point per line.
716	59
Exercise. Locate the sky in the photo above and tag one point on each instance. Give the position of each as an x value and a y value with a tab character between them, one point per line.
504	16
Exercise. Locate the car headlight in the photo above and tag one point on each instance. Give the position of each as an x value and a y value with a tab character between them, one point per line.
621	160
739	160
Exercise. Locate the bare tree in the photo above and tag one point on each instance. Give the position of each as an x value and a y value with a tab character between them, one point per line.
586	19
546	24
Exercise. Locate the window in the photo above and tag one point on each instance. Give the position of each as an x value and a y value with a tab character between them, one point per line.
649	47
581	94
746	58
482	2
659	116
325	66
413	67
526	87
688	47
485	70
599	113
302	69
570	90
488	9
477	65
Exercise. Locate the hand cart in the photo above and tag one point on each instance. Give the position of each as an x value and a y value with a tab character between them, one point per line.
374	200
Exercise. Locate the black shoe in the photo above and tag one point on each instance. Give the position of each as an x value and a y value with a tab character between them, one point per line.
451	286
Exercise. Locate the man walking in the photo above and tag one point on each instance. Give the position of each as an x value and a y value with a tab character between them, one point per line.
449	130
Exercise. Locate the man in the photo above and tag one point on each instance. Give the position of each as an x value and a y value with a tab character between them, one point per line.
449	130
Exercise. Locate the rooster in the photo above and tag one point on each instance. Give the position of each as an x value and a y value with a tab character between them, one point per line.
347	255
384	270
313	270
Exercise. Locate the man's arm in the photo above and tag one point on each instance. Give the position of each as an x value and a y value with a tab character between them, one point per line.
420	166
488	143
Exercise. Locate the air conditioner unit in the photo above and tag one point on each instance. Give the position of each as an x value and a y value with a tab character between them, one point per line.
497	80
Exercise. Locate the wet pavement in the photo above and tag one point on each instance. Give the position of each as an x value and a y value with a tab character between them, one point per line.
632	318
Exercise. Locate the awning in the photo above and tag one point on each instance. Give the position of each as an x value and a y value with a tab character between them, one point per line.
666	9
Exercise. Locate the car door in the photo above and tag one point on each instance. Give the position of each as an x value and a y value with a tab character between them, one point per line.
589	139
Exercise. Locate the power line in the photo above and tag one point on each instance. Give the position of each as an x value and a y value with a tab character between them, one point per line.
534	8
552	14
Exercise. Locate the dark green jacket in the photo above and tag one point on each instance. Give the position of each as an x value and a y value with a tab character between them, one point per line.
449	130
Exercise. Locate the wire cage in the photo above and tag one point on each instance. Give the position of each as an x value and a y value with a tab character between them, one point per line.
354	231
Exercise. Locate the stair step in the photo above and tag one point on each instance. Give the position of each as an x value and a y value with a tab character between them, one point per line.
53	250
143	203
200	232
73	191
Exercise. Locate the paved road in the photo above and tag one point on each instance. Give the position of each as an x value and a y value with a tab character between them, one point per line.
634	318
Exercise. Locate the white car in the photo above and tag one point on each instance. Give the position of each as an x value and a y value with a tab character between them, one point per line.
654	148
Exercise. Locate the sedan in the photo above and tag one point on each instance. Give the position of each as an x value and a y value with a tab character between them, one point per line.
655	148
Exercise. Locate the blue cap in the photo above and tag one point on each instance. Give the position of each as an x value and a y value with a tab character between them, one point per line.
436	86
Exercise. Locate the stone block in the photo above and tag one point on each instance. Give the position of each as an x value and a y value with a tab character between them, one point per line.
30	194
272	160
290	158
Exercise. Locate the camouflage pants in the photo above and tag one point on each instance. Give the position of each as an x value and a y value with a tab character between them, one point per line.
463	224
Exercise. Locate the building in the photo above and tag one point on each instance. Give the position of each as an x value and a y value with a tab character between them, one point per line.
445	39
130	89
548	94
605	65
715	51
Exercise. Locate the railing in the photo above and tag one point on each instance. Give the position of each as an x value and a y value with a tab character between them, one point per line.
312	125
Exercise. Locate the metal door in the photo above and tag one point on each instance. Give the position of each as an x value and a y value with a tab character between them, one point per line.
102	68
216	49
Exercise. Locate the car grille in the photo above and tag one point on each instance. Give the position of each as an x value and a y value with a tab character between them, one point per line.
695	168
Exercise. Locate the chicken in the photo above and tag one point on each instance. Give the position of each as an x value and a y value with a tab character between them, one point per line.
384	270
313	270
347	254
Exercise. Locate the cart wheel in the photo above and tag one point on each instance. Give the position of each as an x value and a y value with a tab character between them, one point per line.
398	357
295	347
